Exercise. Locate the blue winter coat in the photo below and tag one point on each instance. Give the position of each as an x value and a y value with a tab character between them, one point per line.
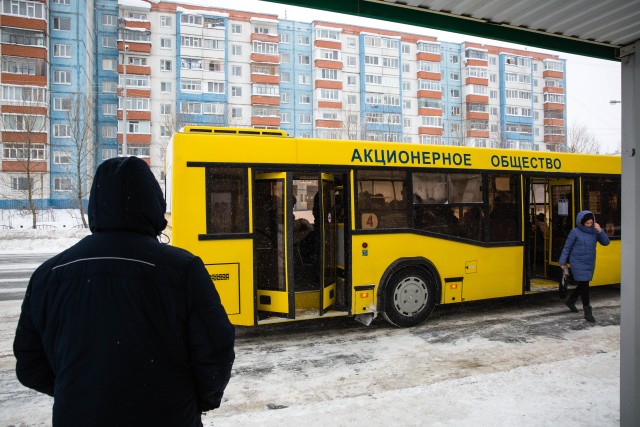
580	249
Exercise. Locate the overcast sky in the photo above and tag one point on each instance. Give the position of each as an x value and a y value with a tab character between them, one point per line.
591	83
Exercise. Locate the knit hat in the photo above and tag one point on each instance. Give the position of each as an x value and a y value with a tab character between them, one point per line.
586	217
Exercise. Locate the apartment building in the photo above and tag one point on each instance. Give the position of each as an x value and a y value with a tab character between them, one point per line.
150	68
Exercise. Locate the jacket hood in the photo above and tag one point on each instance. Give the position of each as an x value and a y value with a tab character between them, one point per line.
126	196
579	221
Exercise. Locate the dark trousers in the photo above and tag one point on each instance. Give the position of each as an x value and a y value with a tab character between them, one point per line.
582	291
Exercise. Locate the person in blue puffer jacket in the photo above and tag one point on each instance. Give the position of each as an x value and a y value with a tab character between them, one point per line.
580	250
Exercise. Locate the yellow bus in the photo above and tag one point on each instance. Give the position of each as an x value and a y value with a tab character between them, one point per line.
296	228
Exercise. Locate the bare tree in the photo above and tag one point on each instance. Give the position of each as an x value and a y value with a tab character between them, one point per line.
81	129
581	141
24	146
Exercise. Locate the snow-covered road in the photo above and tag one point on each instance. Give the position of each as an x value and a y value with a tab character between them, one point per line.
520	361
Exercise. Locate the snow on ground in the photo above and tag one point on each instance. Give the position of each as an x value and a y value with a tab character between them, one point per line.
460	370
56	229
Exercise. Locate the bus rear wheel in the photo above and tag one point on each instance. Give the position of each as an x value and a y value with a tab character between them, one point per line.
410	296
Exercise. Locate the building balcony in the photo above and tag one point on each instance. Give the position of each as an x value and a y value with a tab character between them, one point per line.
552	74
330	104
265	100
37	166
23	107
554	122
136	93
326	44
477	99
477	115
138	24
265	79
268	38
265	121
39	52
24	23
431	57
135	115
552	89
437	112
135	138
331	124
328	84
431	94
558	139
476	133
476	81
429	75
23	79
264	58
135	47
426	130
553	106
468	62
327	63
27	137
135	69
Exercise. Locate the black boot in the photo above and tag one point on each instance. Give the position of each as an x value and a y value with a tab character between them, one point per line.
571	303
588	315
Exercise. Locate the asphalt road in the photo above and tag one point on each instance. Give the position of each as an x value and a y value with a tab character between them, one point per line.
15	271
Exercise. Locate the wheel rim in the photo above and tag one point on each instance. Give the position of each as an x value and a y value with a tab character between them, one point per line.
410	296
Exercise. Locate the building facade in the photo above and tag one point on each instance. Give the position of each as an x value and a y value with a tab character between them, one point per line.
126	76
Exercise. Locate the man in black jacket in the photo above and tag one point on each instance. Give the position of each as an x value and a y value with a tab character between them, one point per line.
121	329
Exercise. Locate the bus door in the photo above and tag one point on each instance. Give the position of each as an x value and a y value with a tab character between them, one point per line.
274	288
562	202
329	241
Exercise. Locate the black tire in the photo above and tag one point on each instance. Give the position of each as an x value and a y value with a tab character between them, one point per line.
410	296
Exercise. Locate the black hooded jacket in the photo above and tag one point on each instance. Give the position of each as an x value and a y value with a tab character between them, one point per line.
121	329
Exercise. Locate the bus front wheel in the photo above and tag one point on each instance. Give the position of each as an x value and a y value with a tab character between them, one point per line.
410	296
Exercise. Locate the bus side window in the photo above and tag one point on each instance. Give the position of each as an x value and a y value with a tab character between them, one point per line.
226	200
504	224
601	195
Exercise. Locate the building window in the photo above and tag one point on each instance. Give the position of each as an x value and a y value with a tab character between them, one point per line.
285	97
166	21
304	98
304	59
165	65
62	24
109	42
285	38
61	184
351	61
236	113
455	111
285	117
109	131
61	104
236	91
236	29
21	183
304	119
236	50
165	108
454	59
165	87
62	77
455	93
351	81
304	79
165	131
62	50
236	70
109	64
62	157
165	43
62	131
109	109
109	20
406	49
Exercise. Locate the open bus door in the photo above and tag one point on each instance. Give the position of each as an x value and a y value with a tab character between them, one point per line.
274	287
329	240
562	208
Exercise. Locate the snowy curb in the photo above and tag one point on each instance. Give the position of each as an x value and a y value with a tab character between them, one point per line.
29	240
